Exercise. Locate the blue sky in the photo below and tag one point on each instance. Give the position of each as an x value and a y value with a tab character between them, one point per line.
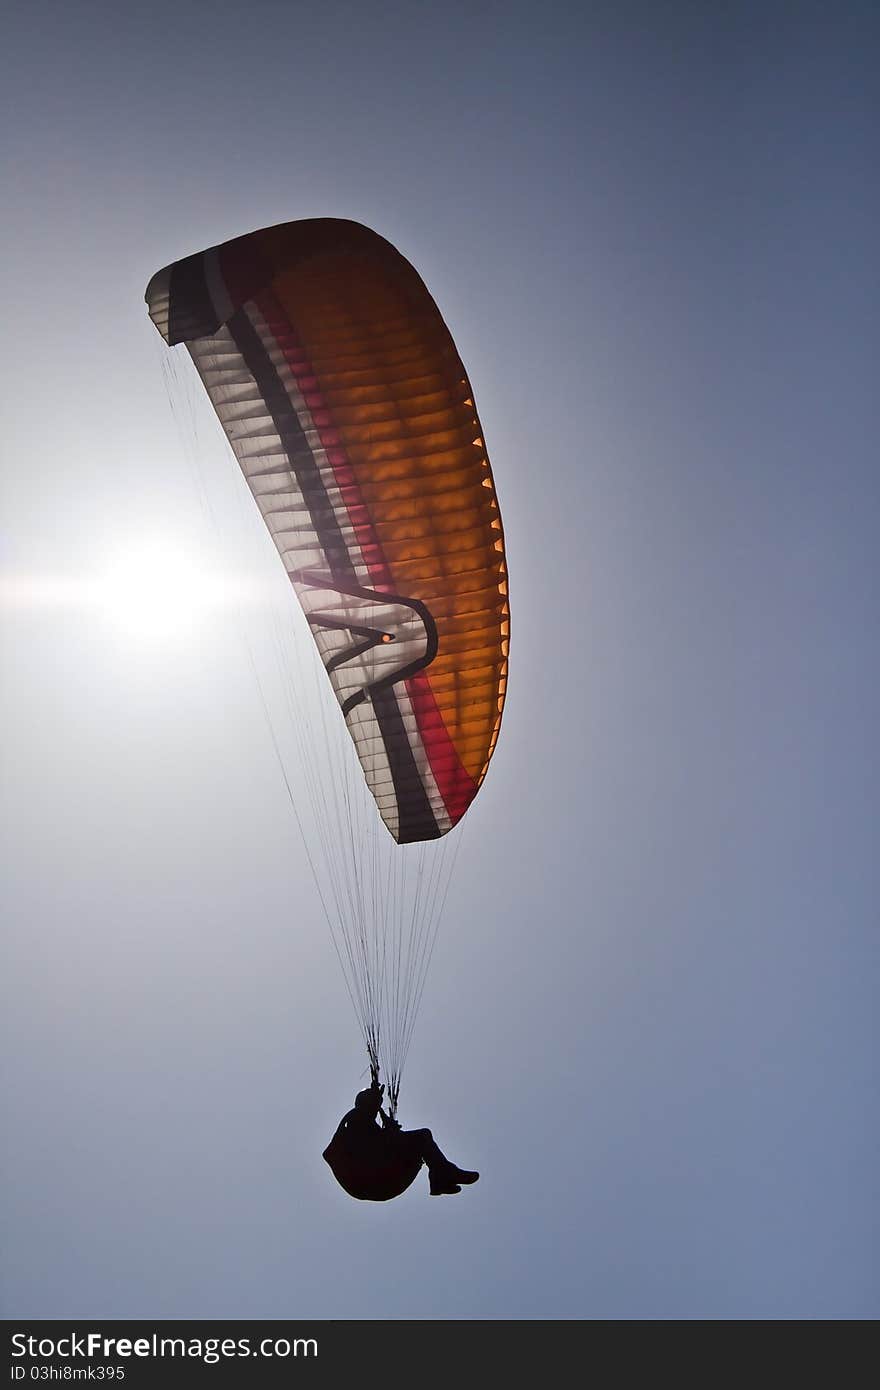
649	1021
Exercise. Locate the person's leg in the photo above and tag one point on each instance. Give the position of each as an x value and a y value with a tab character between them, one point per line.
421	1141
445	1178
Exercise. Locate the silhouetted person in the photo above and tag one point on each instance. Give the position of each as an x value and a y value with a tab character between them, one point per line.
376	1164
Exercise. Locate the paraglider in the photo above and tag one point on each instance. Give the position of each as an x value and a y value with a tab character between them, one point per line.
375	1164
347	406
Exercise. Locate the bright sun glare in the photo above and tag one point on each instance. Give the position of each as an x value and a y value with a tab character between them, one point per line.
156	589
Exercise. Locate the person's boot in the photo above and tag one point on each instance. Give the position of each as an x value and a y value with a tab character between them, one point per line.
464	1176
446	1179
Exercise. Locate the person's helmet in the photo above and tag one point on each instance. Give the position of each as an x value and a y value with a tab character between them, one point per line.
368	1100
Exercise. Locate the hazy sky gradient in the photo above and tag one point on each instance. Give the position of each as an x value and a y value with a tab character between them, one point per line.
652	230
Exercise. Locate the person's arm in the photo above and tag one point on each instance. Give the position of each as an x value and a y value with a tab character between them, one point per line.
389	1121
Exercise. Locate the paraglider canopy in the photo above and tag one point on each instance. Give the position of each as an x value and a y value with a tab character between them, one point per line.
351	414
